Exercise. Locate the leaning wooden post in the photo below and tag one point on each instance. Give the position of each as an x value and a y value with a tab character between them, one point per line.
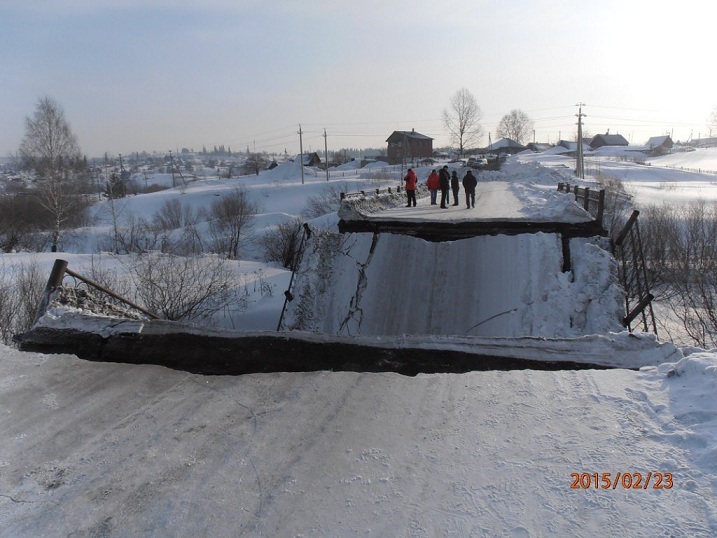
54	282
601	206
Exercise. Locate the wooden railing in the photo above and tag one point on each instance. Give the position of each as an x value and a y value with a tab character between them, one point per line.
592	201
387	190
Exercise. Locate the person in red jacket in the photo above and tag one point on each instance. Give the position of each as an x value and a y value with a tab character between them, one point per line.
411	181
433	183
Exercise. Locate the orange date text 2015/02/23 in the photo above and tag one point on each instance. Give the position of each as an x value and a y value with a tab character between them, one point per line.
622	480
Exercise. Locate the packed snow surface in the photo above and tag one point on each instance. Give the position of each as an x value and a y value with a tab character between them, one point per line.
96	449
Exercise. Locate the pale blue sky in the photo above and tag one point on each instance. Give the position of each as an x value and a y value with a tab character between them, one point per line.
158	74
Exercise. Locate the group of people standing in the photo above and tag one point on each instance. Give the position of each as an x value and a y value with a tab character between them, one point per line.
445	182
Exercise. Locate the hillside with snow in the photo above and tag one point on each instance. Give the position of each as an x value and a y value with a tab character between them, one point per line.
111	449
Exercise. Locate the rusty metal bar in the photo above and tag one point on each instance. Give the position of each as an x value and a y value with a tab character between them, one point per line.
110	293
639	308
628	226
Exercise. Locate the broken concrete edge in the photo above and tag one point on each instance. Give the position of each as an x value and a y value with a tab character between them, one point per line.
201	350
445	231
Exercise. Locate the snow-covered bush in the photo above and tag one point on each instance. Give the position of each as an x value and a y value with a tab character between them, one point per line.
20	289
182	288
281	244
327	201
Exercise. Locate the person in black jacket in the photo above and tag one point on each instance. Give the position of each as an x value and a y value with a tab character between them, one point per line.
469	184
445	180
455	187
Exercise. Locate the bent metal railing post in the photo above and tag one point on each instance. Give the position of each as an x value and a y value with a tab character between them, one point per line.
54	282
294	266
633	269
59	270
633	275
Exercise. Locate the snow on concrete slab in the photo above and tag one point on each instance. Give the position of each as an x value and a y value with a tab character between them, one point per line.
390	284
240	349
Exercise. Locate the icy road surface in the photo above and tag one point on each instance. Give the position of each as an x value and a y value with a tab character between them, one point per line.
92	449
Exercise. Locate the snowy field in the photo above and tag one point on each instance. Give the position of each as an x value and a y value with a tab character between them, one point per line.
118	450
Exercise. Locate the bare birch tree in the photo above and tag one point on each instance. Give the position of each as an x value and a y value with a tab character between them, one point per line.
50	149
462	120
712	121
515	125
232	215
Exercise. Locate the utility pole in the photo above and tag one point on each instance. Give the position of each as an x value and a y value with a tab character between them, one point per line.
301	155
326	155
405	151
171	164
579	165
107	179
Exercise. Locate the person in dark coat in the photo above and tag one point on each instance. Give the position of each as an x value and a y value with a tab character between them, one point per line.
445	180
455	187
469	184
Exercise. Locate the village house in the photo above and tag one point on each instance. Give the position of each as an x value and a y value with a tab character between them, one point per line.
504	145
659	145
310	159
608	139
538	147
405	146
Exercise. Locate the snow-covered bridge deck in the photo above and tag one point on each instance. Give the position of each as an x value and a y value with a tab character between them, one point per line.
500	209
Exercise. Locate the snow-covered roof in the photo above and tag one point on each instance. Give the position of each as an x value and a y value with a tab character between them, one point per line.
656	141
408	134
504	143
609	140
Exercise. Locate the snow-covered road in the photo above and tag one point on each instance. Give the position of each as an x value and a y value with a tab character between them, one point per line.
116	450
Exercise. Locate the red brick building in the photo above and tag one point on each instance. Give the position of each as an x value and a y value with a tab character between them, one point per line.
408	146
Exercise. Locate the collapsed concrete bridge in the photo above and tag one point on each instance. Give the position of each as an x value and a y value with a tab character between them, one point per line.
519	282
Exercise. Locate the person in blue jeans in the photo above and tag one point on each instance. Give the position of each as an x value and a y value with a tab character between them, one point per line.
433	184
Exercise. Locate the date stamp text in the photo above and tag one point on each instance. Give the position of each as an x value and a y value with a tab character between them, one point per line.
622	480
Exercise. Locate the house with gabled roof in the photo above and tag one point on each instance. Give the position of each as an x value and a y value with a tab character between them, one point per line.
659	145
505	145
310	159
566	147
538	147
608	139
408	146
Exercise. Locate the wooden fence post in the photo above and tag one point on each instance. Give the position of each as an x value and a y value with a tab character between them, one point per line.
601	206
